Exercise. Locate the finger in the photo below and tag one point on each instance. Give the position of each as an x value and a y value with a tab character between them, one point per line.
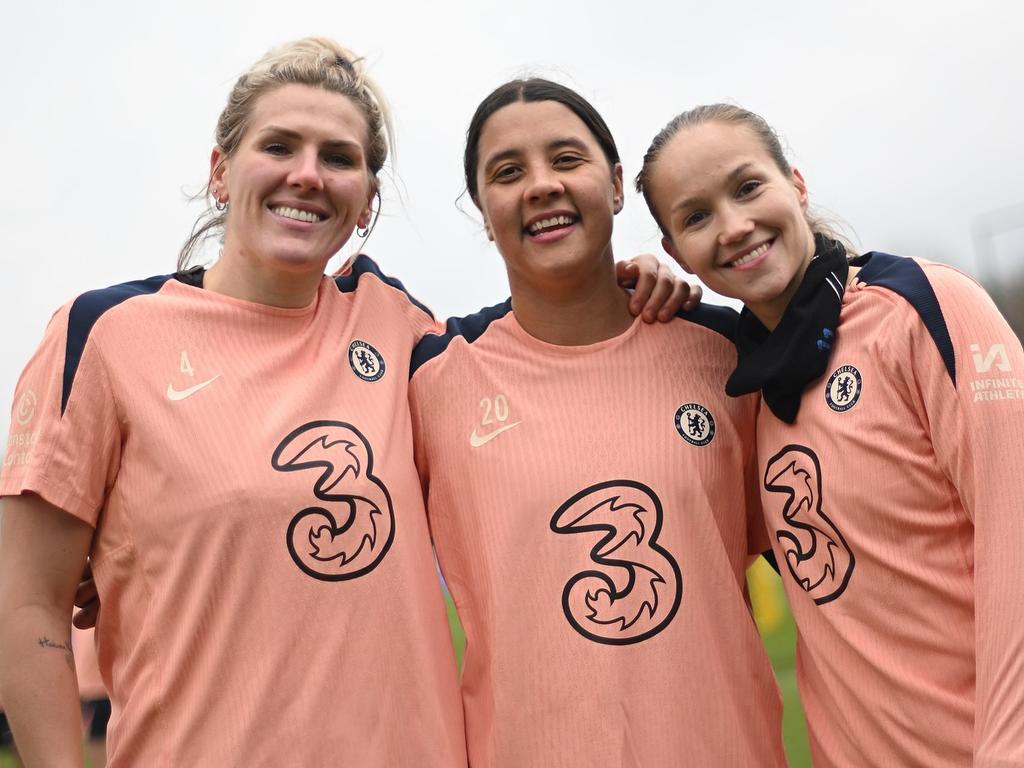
675	302
648	268
625	273
86	593
86	618
664	284
695	297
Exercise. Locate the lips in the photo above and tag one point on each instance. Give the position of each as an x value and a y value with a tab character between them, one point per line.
304	214
550	222
752	255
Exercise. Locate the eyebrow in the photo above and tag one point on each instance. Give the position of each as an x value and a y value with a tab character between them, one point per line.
288	133
507	154
739	170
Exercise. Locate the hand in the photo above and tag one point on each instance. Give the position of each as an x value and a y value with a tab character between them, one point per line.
657	292
87	599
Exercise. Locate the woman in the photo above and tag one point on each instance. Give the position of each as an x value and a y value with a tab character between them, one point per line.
889	453
238	431
596	555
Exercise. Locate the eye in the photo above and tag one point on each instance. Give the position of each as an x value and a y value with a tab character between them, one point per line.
338	160
567	160
694	219
507	173
748	188
275	148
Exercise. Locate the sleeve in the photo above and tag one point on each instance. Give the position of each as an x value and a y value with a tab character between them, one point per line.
975	415
65	437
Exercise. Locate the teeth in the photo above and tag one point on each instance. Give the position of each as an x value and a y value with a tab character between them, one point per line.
752	255
294	213
555	221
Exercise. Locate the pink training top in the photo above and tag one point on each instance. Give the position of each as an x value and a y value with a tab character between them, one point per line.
261	550
590	517
898	512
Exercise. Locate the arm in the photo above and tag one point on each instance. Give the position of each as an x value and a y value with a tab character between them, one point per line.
42	553
977	428
657	292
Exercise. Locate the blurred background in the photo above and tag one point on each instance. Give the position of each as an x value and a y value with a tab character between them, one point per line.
903	117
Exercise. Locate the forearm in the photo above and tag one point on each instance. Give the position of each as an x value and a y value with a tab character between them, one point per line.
40	691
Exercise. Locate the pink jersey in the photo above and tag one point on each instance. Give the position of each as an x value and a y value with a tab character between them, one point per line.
589	512
261	550
898	515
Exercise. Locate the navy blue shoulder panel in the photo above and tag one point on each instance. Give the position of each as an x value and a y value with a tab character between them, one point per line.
905	277
86	310
470	327
364	265
722	320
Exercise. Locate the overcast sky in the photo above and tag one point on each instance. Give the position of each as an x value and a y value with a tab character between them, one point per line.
905	118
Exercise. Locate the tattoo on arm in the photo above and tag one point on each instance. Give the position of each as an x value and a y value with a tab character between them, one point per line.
69	656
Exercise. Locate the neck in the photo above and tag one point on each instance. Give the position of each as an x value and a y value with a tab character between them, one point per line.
243	277
577	310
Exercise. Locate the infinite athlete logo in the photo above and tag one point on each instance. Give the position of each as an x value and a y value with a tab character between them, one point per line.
26	407
818	556
352	535
636	586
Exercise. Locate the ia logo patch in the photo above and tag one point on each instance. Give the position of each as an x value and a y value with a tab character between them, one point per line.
366	362
843	388
695	424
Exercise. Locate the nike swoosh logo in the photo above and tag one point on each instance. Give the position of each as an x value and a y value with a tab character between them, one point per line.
477	440
181	394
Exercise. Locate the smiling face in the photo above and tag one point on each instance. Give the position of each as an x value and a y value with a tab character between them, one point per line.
298	184
733	217
547	192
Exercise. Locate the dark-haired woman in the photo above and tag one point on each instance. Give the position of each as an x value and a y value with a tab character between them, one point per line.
585	479
890	454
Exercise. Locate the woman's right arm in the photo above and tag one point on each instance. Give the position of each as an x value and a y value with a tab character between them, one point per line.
42	553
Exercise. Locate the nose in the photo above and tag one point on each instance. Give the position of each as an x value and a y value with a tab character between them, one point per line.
734	225
305	171
544	184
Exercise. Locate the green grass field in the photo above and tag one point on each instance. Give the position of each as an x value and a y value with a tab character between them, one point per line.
779	637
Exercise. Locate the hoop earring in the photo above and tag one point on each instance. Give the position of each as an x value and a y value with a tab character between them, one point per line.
362	231
220	205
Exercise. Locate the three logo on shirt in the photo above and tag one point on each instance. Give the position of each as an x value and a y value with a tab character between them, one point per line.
632	587
818	557
348	529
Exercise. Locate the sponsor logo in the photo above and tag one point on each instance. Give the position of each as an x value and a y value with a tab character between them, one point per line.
477	440
996	355
818	557
366	362
348	524
26	407
180	394
495	411
630	588
695	424
843	388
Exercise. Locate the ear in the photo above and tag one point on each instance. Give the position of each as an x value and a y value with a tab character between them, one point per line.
367	213
801	187
670	249
617	195
218	174
487	229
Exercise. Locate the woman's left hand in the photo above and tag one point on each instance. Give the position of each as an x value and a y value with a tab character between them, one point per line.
657	293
